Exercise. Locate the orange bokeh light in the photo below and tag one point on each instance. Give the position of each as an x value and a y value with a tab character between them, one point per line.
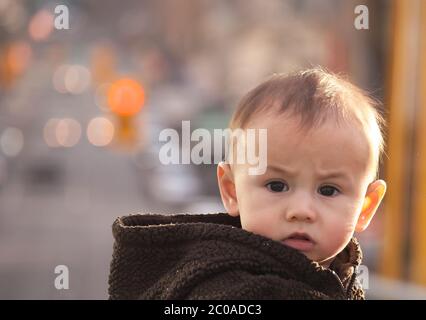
18	56
126	97
41	25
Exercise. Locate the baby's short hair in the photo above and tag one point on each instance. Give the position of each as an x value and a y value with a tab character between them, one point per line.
315	95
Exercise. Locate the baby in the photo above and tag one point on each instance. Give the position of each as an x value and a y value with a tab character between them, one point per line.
288	232
324	143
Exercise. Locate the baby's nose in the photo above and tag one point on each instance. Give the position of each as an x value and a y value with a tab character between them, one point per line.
301	209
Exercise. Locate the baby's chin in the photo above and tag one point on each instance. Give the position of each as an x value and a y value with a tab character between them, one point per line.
324	262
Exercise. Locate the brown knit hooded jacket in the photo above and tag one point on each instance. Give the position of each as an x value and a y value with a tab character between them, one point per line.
209	256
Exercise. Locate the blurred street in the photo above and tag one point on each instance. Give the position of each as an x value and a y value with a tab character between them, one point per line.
64	217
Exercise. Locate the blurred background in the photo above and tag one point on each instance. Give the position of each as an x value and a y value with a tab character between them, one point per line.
81	109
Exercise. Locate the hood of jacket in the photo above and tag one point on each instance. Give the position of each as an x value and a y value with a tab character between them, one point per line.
209	256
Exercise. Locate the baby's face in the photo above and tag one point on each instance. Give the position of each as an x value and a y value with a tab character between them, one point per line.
315	185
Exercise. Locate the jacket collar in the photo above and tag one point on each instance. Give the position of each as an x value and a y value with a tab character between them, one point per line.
158	229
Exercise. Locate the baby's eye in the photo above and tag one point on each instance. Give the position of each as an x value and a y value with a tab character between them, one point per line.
276	186
328	191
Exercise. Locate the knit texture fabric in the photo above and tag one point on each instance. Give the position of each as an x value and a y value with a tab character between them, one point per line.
210	256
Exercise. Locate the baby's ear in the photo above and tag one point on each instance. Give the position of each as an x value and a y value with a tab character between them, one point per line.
375	193
225	179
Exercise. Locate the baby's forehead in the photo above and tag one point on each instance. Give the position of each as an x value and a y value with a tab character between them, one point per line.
287	127
344	144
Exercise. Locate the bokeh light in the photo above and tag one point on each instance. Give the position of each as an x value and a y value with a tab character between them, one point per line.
77	79
126	97
58	78
62	132
100	131
68	132
13	15
12	141
18	56
73	79
41	25
49	133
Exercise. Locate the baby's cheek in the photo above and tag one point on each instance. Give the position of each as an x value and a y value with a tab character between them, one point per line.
260	223
338	236
259	218
343	222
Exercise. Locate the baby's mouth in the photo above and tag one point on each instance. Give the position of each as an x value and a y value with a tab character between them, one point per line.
299	241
